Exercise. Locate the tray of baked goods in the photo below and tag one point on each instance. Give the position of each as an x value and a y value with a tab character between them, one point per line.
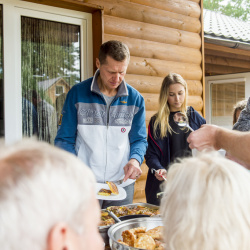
114	214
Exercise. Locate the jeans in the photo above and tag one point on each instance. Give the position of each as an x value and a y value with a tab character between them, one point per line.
128	200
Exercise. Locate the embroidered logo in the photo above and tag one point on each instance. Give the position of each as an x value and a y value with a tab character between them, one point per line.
123	130
123	102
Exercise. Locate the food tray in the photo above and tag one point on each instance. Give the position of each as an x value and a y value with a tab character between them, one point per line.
104	229
115	231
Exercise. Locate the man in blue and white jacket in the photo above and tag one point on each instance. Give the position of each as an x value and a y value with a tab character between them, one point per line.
103	122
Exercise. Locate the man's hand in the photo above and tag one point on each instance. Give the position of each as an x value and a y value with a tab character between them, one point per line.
132	170
204	138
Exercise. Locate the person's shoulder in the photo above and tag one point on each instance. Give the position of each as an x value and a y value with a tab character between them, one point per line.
132	90
84	84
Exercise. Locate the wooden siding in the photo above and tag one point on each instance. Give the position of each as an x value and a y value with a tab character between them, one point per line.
163	37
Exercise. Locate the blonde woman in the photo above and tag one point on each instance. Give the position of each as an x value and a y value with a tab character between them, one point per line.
166	141
206	204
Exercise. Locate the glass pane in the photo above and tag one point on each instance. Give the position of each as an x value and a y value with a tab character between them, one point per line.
224	97
50	67
1	75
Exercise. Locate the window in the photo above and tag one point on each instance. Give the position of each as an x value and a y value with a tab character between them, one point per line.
1	75
59	90
51	48
222	93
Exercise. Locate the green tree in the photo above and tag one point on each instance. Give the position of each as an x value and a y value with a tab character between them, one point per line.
234	8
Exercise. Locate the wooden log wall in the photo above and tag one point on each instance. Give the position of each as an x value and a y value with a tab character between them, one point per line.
220	60
163	37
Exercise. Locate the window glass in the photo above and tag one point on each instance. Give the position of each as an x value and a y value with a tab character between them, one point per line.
224	97
1	76
50	64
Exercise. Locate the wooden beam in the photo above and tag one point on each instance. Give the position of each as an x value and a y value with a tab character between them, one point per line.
226	49
145	31
226	55
211	69
69	4
217	60
156	50
143	13
98	30
187	8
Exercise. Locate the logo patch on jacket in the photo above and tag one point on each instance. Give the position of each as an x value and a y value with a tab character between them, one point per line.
123	102
123	130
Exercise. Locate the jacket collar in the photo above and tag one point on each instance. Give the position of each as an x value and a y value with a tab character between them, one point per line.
122	89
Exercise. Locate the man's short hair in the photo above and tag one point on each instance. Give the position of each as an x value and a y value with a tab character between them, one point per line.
40	185
115	49
206	204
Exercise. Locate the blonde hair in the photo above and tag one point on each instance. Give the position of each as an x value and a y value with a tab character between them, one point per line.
162	116
206	204
40	185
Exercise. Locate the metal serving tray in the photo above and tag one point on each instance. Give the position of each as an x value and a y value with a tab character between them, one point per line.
103	230
115	231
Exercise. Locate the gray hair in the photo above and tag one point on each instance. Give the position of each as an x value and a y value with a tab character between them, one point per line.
206	204
40	185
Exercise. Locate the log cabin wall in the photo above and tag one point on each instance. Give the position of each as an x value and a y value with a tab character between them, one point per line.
163	36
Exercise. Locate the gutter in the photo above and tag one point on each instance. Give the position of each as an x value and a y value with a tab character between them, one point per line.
226	42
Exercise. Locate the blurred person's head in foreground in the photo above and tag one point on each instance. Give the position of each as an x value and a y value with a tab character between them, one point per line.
206	204
238	107
47	200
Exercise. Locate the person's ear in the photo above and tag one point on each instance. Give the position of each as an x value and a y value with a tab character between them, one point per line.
97	62
59	237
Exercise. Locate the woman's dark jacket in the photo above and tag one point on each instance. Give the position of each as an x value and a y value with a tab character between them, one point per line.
158	154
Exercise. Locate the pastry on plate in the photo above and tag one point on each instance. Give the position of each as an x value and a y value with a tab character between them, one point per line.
104	192
113	187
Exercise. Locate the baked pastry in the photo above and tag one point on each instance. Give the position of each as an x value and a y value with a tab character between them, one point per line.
145	242
129	236
104	192
155	233
112	187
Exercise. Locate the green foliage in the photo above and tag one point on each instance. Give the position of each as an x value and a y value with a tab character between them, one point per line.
234	8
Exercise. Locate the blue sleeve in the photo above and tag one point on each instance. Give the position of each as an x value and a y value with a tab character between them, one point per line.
67	130
138	134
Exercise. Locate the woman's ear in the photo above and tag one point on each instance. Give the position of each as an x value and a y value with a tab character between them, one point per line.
59	237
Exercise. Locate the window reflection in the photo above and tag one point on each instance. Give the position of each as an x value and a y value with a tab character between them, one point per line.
1	75
50	67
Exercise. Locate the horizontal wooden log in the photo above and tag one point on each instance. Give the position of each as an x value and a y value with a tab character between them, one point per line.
156	50
142	13
151	32
154	67
211	69
152	84
196	102
226	49
149	114
151	102
209	52
216	60
188	8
